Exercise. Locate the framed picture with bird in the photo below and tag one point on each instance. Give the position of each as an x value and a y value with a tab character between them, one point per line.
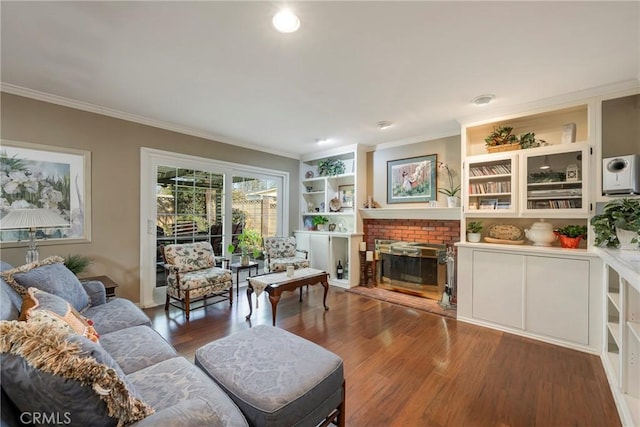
412	179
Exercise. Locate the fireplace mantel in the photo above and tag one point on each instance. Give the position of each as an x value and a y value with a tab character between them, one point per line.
411	213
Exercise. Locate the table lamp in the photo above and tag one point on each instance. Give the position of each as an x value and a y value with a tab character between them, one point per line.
32	220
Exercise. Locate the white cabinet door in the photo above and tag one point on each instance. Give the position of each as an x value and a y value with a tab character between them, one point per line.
319	251
557	298
498	288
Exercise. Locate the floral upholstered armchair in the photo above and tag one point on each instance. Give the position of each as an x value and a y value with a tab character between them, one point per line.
281	252
192	276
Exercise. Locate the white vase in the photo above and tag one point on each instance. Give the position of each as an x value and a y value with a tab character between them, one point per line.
474	237
625	237
453	202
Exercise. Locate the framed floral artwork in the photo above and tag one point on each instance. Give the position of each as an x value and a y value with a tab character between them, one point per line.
412	179
34	176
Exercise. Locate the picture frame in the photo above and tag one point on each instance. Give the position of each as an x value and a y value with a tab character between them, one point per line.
346	194
412	179
46	177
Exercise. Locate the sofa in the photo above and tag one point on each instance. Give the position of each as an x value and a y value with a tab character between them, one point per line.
69	356
109	366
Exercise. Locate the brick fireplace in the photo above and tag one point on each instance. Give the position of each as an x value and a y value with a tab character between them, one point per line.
419	275
411	230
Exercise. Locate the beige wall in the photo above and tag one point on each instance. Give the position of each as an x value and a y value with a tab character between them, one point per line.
447	149
621	126
115	173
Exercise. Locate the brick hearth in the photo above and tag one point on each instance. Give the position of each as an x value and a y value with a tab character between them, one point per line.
411	230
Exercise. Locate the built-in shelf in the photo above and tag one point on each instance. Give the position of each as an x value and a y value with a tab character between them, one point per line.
634	327
614	328
623	326
614	297
411	213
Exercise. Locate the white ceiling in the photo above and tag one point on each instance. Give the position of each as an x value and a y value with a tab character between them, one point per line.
219	69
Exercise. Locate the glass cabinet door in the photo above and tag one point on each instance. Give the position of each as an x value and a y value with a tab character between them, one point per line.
491	185
556	181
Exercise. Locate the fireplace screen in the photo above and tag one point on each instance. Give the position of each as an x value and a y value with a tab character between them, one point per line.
412	267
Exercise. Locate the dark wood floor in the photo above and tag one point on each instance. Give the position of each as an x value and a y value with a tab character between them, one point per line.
409	368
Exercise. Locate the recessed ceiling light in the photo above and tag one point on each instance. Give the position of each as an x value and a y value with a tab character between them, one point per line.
483	99
322	141
286	21
384	124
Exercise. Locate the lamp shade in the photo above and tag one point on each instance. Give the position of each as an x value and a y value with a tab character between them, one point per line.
32	219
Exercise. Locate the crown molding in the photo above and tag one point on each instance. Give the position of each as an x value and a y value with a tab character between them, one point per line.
419	138
92	108
565	99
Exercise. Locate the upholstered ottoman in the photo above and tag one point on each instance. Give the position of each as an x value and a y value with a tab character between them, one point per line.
277	378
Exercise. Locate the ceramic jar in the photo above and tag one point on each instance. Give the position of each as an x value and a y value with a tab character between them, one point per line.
541	233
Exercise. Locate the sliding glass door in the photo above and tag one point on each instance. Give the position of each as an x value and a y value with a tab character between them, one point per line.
190	208
187	199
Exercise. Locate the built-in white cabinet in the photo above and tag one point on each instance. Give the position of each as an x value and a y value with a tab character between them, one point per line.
519	187
492	185
557	289
327	248
621	357
332	185
586	298
525	291
555	181
506	309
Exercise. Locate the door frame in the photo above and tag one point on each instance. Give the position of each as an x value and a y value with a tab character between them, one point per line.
150	159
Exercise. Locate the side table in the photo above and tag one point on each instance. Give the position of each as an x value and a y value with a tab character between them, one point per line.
109	285
238	267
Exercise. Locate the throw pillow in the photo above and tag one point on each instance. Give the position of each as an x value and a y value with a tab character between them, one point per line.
52	305
46	369
49	275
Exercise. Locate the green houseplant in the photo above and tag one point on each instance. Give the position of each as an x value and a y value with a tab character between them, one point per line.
249	241
474	229
528	140
501	136
571	235
619	218
319	221
77	263
330	167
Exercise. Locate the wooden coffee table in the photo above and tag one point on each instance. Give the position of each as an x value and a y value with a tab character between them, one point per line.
277	283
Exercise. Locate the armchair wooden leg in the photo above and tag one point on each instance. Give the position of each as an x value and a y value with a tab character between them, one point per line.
231	295
186	303
166	304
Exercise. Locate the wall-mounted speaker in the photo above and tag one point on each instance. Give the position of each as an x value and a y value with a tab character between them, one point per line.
621	175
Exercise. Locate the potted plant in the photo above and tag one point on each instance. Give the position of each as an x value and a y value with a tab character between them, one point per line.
474	229
249	242
528	140
618	225
452	191
502	139
571	235
77	263
330	167
319	221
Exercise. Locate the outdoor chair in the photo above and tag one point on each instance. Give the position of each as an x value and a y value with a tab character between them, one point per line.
281	252
192	276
